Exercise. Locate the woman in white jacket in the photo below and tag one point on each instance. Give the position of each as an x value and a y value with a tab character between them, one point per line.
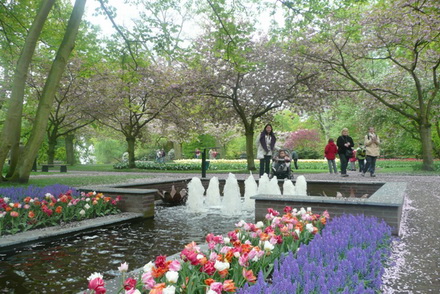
372	143
265	148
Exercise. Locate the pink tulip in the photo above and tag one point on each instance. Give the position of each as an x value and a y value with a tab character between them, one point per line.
175	266
129	284
97	285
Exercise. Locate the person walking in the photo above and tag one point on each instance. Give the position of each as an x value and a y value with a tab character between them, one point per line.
360	156
330	152
265	148
345	150
295	158
372	143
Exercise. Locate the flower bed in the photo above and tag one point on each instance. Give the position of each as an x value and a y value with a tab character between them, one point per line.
17	194
241	164
229	262
347	257
36	212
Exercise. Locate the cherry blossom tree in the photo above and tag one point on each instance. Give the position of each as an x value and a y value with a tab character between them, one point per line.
303	139
388	53
252	80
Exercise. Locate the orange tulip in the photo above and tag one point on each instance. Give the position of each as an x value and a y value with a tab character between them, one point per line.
59	209
209	281
223	273
158	272
14	214
249	275
229	286
157	289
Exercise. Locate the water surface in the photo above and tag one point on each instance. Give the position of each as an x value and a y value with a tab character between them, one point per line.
62	266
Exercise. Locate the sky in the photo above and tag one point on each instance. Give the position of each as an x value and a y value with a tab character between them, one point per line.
125	14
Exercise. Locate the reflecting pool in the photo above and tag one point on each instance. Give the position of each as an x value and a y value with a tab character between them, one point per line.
62	266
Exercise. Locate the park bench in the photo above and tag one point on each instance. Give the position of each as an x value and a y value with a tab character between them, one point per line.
45	167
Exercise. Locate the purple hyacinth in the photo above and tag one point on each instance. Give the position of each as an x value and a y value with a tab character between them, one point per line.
16	194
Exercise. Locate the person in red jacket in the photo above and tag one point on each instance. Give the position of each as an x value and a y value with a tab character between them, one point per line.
330	152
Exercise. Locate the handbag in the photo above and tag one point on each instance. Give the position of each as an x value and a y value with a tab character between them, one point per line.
348	152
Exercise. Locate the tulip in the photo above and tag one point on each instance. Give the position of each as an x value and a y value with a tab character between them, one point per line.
220	266
169	290
172	276
123	267
97	285
129	284
229	286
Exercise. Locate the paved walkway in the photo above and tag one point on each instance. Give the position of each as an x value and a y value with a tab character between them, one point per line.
416	254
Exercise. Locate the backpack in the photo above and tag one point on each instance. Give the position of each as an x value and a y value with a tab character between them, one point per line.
362	152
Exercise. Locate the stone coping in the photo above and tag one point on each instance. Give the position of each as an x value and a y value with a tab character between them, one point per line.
111	189
390	194
149	183
10	242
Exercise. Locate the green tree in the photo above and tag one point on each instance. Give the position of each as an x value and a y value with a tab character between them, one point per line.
11	130
389	51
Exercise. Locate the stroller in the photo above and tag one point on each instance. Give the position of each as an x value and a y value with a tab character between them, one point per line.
281	165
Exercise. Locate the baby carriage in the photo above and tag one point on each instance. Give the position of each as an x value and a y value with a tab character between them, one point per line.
281	165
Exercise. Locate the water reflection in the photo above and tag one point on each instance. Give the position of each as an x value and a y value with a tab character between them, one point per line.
63	266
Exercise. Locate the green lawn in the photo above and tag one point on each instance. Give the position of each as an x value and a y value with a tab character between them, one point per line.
77	179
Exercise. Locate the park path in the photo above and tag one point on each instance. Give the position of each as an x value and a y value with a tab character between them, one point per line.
416	253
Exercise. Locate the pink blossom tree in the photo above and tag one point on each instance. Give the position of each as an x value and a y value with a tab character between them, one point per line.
303	139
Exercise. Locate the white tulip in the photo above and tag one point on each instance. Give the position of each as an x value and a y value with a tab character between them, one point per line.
268	246
148	267
220	266
172	276
169	290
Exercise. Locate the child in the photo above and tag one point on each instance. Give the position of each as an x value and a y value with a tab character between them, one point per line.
352	161
282	161
360	156
330	152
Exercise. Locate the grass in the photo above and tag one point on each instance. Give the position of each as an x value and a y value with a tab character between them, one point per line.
78	180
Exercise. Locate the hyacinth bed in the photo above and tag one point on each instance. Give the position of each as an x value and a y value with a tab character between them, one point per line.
17	194
32	209
293	253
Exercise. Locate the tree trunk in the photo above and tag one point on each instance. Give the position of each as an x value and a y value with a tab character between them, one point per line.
130	149
24	167
426	137
12	128
177	150
52	142
15	155
70	150
250	149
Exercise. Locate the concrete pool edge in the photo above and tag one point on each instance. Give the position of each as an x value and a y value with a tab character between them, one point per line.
11	242
386	203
